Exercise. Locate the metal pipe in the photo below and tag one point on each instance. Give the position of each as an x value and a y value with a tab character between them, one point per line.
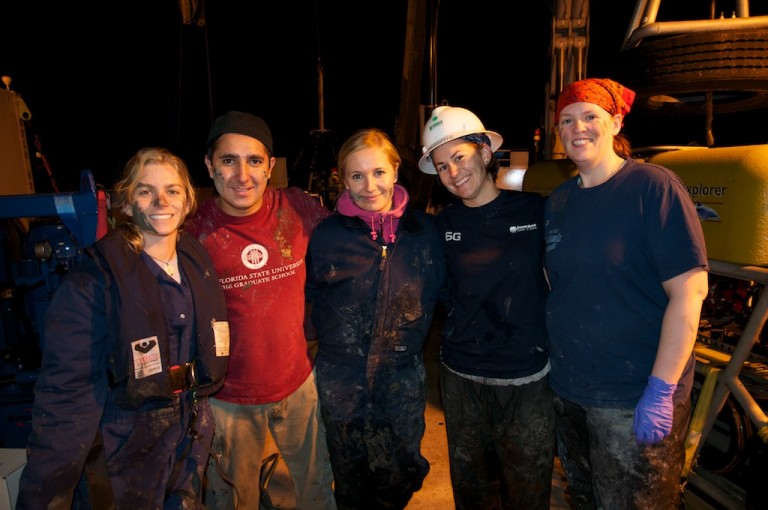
690	26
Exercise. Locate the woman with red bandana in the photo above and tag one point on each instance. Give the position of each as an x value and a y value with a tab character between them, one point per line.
627	266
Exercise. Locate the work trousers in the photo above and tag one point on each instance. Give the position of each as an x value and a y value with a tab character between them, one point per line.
239	443
501	443
607	469
172	441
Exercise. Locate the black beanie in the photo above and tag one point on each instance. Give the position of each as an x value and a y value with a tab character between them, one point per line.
242	123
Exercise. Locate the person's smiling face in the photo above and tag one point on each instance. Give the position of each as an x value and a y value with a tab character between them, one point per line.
158	204
462	168
370	178
587	132
240	168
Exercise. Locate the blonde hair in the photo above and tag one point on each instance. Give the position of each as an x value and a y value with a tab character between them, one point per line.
368	138
124	188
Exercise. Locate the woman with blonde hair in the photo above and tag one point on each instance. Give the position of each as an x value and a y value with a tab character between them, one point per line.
374	272
136	340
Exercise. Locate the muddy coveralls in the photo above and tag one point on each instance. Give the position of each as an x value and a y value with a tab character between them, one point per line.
112	422
373	305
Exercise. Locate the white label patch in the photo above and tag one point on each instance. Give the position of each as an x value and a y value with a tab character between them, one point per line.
146	357
221	337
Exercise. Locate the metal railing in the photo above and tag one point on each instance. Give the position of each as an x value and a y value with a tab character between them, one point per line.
643	23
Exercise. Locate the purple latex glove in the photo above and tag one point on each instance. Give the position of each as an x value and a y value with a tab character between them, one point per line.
653	414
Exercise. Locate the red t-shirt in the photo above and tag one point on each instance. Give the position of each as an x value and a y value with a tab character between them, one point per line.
260	262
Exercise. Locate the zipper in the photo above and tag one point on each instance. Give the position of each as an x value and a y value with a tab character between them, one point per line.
383	257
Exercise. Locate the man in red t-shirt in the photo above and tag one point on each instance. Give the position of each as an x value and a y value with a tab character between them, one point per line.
257	237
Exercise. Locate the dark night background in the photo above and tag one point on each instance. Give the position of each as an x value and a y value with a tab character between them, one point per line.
102	79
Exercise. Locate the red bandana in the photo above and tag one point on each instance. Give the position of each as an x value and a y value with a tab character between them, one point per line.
609	95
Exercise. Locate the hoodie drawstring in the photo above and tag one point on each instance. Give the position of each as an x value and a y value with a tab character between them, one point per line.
374	235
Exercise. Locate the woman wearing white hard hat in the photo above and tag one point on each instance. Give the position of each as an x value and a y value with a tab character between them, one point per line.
494	355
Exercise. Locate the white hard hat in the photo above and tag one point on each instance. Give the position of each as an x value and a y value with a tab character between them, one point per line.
448	123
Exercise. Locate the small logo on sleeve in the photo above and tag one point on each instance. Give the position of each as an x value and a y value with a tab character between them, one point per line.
522	228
